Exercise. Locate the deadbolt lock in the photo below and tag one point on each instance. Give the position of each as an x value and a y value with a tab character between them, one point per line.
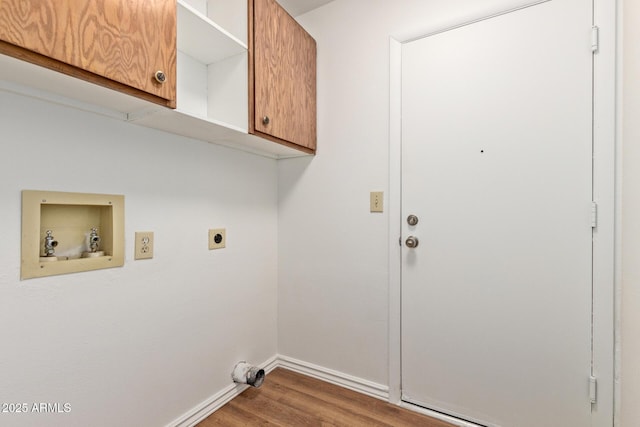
412	220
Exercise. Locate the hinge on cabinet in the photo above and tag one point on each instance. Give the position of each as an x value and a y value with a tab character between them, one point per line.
593	389
594	214
595	39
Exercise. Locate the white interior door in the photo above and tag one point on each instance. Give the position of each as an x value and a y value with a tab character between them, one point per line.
497	167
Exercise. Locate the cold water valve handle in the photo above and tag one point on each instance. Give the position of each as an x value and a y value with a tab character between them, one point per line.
94	240
49	244
93	245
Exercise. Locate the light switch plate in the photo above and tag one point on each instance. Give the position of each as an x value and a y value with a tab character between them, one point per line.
376	203
144	245
217	238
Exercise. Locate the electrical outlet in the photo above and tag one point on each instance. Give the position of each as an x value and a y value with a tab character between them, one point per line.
217	238
375	203
144	245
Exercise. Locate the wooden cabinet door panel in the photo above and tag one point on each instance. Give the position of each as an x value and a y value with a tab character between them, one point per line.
126	41
284	90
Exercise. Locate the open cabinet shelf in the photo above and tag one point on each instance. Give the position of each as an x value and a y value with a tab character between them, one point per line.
203	39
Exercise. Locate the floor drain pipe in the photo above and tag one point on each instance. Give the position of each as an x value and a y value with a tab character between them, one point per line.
245	373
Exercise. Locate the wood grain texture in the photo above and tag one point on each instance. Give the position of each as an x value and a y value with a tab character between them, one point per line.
292	399
283	87
122	40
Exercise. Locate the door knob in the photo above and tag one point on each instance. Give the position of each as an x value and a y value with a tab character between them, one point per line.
266	120
412	220
411	242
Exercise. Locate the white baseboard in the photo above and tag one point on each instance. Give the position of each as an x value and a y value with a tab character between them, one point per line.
218	400
339	378
215	402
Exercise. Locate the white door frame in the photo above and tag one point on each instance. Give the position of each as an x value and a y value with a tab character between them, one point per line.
605	284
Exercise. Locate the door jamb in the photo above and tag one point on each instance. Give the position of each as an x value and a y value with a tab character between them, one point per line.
605	180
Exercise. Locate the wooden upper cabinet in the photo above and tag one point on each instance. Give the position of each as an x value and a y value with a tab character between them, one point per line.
282	77
119	44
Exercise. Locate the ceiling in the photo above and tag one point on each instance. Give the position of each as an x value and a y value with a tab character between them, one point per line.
298	7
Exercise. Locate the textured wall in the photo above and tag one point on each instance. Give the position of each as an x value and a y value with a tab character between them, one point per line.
142	344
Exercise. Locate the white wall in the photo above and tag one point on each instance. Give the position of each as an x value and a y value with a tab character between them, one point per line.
145	343
333	263
630	316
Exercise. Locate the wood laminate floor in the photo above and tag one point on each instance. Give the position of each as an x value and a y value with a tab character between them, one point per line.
290	399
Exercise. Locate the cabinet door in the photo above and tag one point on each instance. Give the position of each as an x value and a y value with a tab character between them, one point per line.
283	96
124	41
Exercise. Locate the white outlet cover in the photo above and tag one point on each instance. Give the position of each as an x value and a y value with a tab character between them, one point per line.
144	245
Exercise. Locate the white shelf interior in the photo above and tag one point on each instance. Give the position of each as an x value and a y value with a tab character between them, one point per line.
213	64
228	89
203	39
231	15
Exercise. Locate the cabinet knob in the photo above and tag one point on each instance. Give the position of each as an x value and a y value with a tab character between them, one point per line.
160	76
266	120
